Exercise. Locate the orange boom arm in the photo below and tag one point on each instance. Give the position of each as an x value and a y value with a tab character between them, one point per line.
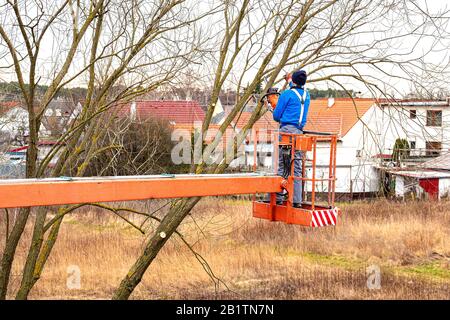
48	192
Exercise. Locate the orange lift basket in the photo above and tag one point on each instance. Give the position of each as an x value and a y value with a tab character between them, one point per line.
310	214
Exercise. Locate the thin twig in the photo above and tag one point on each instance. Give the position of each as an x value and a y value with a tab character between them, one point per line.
7	224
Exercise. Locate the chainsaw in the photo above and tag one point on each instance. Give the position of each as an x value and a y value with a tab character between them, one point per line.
271	96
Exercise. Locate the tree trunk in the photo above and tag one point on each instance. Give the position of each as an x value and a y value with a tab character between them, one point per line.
164	231
19	226
10	250
33	253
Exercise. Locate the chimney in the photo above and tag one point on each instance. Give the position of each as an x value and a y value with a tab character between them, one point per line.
133	111
188	95
330	102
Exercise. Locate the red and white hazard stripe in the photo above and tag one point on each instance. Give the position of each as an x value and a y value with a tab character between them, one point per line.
321	218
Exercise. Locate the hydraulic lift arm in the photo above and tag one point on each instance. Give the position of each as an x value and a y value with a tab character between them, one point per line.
47	192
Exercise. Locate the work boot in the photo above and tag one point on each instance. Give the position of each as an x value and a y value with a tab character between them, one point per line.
279	203
297	205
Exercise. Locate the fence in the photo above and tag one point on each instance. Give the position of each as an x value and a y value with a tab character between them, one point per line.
12	170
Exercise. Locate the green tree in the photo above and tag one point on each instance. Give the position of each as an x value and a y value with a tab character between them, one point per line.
400	151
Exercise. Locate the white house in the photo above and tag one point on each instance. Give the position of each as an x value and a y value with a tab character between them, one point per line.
367	130
424	124
14	123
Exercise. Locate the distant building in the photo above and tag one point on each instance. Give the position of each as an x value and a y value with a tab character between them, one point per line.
430	179
14	133
181	112
14	126
348	119
57	117
60	113
425	124
19	153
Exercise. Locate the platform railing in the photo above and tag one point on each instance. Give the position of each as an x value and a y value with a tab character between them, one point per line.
306	142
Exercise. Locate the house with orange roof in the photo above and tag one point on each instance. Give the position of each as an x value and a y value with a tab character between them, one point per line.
353	121
350	120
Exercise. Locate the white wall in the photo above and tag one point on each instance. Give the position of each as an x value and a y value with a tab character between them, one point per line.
444	187
15	122
349	179
399	186
354	156
264	152
397	124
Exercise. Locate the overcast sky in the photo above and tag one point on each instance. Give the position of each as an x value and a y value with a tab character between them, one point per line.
440	54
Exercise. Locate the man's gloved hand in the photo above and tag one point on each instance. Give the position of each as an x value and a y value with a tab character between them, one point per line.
268	105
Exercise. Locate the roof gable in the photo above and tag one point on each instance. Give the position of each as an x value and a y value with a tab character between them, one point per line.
348	110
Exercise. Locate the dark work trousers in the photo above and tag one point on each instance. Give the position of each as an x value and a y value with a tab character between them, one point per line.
297	166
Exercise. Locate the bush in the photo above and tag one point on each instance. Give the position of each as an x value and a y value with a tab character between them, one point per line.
135	148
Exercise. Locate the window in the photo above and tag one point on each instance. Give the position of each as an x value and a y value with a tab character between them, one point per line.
434	118
433	148
412	114
412	144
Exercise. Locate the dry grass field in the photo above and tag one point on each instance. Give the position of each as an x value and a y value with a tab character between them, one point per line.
254	259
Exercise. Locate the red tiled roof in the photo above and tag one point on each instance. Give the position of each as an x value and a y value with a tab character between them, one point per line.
8	105
338	119
329	123
18	149
382	156
265	122
349	110
179	112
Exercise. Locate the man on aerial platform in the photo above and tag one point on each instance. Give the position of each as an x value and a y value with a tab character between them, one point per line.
291	112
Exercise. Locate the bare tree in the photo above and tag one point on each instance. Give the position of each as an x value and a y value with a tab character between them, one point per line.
119	50
341	43
134	148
